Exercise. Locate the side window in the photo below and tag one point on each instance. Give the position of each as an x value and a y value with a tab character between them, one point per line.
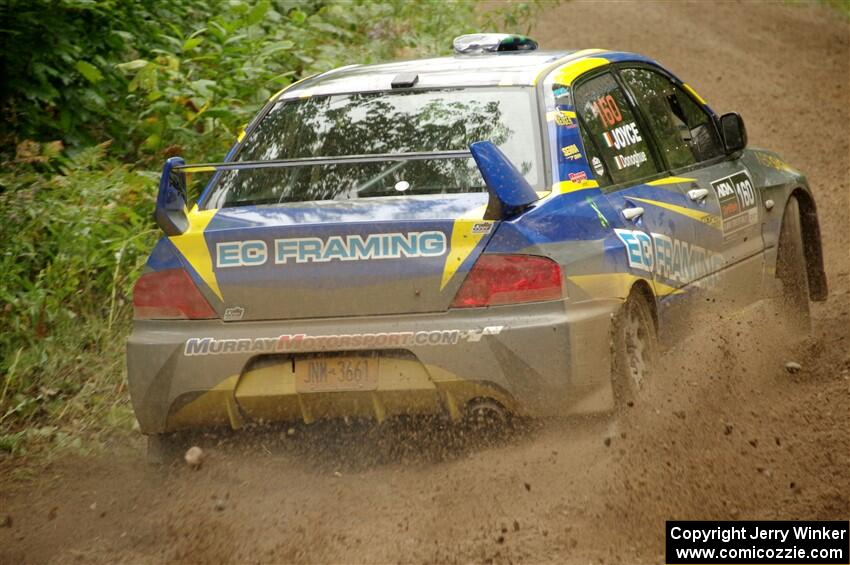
685	131
610	132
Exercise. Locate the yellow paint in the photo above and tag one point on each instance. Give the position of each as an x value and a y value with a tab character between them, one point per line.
193	246
704	217
463	242
192	169
556	115
670	180
241	134
571	56
277	94
693	93
571	71
616	285
566	186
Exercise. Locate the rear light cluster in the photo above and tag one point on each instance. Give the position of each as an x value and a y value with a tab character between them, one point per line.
509	279
169	295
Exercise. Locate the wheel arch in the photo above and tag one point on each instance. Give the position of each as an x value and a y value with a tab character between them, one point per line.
643	288
812	247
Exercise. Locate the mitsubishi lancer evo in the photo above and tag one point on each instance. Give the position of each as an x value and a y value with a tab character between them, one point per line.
505	229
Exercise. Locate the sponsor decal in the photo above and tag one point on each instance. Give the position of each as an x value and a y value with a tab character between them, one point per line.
483	227
667	257
578	177
561	91
563	119
234	314
201	346
636	159
737	199
341	248
597	166
622	136
599	215
571	152
606	110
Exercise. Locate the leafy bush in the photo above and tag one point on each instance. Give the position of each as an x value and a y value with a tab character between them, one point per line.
153	78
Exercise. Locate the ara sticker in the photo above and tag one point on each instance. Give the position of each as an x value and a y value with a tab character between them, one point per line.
737	199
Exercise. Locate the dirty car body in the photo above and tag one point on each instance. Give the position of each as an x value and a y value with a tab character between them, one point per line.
421	236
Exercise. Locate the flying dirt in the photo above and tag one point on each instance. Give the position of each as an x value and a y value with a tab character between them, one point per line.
748	420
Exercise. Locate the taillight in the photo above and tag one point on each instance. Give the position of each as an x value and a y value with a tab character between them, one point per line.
509	279
168	295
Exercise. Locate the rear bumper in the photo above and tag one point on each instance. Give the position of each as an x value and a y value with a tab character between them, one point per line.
536	359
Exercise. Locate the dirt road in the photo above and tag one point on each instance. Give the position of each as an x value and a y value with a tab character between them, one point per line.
729	435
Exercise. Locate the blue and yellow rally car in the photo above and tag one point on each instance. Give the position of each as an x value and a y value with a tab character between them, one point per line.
505	230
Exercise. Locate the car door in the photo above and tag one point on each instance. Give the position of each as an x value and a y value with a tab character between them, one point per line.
657	237
719	190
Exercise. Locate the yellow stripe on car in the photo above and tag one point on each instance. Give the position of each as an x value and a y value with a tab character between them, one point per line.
193	246
566	186
704	217
567	74
670	180
464	240
693	93
616	285
572	56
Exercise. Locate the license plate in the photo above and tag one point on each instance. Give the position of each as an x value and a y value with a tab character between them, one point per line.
336	374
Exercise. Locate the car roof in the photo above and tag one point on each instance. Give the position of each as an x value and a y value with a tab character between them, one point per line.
520	68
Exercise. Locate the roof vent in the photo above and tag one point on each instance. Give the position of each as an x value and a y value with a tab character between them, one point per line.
492	43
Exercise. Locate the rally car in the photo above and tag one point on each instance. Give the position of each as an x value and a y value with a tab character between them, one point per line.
505	230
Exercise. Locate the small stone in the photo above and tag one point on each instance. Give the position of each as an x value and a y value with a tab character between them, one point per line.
516	526
194	457
727	429
679	414
793	367
607	442
6	522
290	432
219	505
337	474
93	506
527	486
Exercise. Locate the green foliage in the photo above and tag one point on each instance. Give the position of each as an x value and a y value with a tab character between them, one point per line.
80	230
91	85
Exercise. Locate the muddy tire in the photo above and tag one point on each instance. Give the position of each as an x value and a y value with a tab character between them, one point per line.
791	271
634	352
163	449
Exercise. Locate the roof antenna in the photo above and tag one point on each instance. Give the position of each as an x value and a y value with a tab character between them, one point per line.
405	80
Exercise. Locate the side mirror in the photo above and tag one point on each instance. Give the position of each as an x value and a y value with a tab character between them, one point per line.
509	192
734	132
171	214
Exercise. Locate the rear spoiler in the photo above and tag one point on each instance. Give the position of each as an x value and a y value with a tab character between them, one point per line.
509	192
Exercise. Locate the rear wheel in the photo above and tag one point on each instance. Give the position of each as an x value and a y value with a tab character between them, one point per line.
635	349
791	270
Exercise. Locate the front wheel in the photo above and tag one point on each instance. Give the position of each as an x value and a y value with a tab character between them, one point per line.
634	349
791	270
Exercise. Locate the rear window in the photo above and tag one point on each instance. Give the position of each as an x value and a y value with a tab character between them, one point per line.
376	123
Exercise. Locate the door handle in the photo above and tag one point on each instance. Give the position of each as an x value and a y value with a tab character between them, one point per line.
697	194
632	213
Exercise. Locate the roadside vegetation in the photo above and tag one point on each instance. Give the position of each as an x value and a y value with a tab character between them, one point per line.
95	95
